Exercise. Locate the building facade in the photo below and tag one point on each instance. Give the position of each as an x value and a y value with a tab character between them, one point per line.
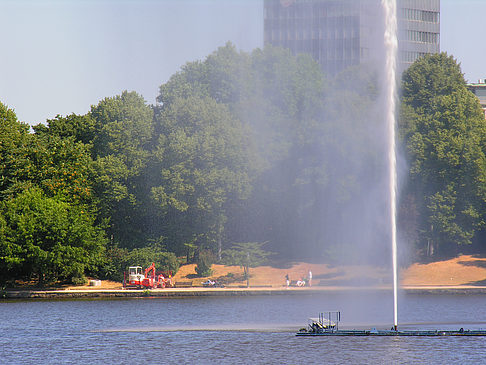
342	33
479	89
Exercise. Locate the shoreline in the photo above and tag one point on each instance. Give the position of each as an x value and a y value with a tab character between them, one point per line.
228	291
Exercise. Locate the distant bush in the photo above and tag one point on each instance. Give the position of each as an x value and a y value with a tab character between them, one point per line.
79	280
204	262
77	276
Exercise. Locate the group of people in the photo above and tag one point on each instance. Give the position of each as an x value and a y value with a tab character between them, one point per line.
302	281
212	283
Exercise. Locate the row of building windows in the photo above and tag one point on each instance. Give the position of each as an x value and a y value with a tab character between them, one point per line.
410	57
420	15
424	37
322	50
321	22
337	8
309	9
296	33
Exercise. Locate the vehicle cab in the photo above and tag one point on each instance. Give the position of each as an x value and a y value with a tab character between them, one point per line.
135	275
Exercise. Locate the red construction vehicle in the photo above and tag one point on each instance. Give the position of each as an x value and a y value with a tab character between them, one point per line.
151	279
135	277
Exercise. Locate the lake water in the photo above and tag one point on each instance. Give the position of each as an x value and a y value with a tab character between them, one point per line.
243	329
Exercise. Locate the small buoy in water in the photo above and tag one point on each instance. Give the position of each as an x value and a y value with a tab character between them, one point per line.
95	283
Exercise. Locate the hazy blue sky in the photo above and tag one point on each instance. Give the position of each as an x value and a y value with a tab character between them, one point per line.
61	57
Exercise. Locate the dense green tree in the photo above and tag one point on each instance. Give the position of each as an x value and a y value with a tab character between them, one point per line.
201	162
242	147
123	126
121	152
15	164
204	262
48	238
277	99
51	162
80	127
47	222
314	154
117	132
61	166
445	137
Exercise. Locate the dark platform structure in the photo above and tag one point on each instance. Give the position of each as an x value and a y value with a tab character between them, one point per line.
427	333
327	324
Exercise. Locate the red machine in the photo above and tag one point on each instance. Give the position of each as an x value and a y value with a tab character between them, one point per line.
151	279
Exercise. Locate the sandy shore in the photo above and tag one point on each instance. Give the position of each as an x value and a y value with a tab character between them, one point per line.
229	291
463	274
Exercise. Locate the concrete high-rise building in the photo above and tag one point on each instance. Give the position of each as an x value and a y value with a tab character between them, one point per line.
479	89
418	29
342	33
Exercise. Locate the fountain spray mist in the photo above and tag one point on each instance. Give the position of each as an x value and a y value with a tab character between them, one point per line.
391	45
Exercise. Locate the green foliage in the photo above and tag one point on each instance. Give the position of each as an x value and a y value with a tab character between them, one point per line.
123	127
164	261
123	132
79	127
444	133
270	105
430	77
9	118
47	223
57	165
241	147
190	252
48	238
62	167
202	161
15	164
204	262
244	254
308	153
79	278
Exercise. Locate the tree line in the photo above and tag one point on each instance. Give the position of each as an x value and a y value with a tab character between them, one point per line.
255	149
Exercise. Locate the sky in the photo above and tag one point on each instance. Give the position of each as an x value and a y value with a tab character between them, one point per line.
62	56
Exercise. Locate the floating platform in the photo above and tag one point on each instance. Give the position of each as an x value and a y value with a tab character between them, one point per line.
327	324
418	333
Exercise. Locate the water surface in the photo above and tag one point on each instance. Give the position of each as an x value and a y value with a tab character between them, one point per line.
227	330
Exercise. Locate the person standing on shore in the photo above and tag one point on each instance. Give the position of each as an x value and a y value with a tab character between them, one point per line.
310	278
287	280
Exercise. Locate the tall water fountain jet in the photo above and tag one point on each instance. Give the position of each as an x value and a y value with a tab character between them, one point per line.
391	45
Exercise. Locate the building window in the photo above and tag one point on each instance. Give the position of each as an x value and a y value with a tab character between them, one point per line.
420	15
410	57
423	37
